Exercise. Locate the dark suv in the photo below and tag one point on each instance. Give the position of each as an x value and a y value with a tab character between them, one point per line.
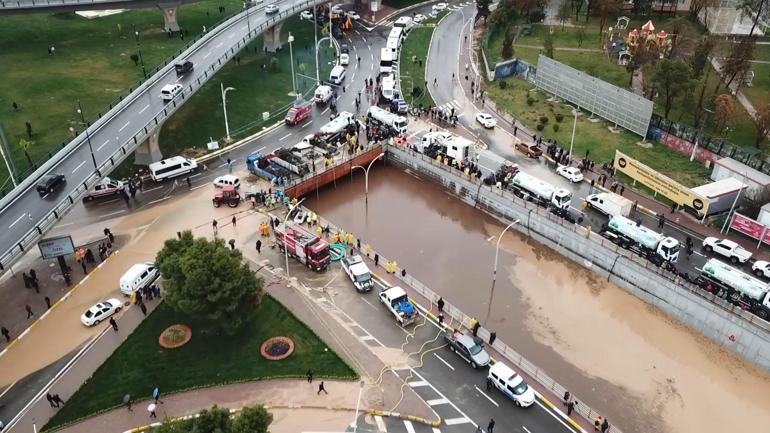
49	182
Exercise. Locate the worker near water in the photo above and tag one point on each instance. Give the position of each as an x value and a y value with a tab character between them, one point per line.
394	267
350	239
318	231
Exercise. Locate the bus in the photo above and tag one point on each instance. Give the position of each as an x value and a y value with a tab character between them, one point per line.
386	61
172	167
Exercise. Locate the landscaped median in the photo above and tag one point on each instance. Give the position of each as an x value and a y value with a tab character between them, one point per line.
413	59
209	359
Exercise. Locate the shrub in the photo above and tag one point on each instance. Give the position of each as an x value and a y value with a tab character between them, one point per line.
559	117
503	84
530	101
543	119
555	127
273	64
540	126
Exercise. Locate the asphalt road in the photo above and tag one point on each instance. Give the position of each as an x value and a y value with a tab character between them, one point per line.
27	208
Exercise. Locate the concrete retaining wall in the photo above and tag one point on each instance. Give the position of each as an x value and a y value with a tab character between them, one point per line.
727	325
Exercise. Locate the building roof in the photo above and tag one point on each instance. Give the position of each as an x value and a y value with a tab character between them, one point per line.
739	169
719	188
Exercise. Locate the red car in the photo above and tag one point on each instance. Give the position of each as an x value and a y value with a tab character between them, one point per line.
299	113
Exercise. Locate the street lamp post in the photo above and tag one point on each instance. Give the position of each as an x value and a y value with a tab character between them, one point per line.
315	36
224	107
291	60
358	405
139	51
248	21
494	270
366	175
575	112
88	137
286	234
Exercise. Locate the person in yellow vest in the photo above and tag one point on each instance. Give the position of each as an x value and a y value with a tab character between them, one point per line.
394	267
438	159
473	322
588	231
318	231
133	297
387	267
467	171
294	201
367	249
584	205
351	239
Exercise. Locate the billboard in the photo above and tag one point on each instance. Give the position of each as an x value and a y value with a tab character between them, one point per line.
51	248
661	184
750	227
619	106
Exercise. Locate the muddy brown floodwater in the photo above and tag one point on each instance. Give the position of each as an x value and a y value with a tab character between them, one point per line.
646	371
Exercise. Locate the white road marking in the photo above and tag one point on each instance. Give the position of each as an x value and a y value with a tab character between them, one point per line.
418	383
124	126
308	123
207	54
285	137
485	395
442	360
553	414
107	202
220	44
455	421
440	394
370	304
103	144
145	107
437	402
380	424
324	112
17	220
364	38
112	213
435	430
79	165
152	189
196	175
409	426
366	338
261	149
199	186
353	77
526	429
160	199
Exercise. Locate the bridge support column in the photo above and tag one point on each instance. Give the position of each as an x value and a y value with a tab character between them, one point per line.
169	17
272	38
149	151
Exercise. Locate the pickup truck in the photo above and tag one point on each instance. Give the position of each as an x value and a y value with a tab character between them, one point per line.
358	272
467	347
727	248
398	303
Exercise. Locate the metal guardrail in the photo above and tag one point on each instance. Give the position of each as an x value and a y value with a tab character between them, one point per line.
60	209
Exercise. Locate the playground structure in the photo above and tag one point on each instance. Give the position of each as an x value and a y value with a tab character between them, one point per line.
624	44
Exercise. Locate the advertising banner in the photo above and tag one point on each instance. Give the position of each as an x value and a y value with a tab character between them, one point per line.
661	184
750	227
51	248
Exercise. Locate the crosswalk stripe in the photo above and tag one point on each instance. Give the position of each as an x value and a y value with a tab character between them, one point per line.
380	424
418	383
455	421
367	338
409	426
435	430
437	402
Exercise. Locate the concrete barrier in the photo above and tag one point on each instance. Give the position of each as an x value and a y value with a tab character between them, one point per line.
727	325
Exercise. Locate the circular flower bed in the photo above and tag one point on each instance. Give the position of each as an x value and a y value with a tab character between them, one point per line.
277	348
175	336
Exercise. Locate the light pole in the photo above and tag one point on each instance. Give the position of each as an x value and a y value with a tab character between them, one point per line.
315	36
366	175
291	60
575	112
732	208
698	134
494	270
88	136
358	404
286	234
139	50
248	22
224	107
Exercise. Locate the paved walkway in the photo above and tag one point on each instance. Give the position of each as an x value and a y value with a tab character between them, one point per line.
540	47
747	105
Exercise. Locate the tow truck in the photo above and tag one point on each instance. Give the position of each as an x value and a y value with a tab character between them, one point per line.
398	303
467	347
358	272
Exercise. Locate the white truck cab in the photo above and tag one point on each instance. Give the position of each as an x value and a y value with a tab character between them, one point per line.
358	273
397	302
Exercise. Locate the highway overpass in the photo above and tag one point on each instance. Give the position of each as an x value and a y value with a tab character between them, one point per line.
113	137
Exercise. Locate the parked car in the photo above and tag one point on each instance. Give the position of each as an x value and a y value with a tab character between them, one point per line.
419	18
727	248
438	7
227	180
337	9
344	49
572	174
306	15
106	187
48	183
344	59
101	311
353	15
529	149
271	9
486	120
761	268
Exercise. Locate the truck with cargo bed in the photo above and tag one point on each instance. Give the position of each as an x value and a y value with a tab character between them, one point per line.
530	187
264	166
399	305
650	244
738	288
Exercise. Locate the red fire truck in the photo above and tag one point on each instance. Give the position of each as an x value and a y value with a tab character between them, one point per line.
308	249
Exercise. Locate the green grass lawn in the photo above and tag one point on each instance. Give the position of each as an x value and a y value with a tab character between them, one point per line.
414	49
258	89
91	64
139	364
594	137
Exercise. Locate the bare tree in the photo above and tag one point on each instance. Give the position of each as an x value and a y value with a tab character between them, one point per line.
761	125
606	9
577	5
724	109
565	10
696	6
739	60
753	10
701	54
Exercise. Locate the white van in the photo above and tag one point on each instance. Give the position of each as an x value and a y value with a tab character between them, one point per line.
388	87
172	167
337	75
511	385
138	277
392	45
396	33
405	23
322	94
169	91
386	61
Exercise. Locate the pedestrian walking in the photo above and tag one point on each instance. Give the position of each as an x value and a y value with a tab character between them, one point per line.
376	259
661	221
83	265
127	402
214	226
259	246
571	407
321	388
567	397
49	397
232	243
6	334
151	409
435	82
35	286
440	304
622	188
189	183
114	324
597	423
26	279
143	308
605	426
234	220
47	303
28	308
491	425
57	400
156	395
309	375
673	207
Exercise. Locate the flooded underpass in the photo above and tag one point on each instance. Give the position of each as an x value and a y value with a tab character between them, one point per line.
644	370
